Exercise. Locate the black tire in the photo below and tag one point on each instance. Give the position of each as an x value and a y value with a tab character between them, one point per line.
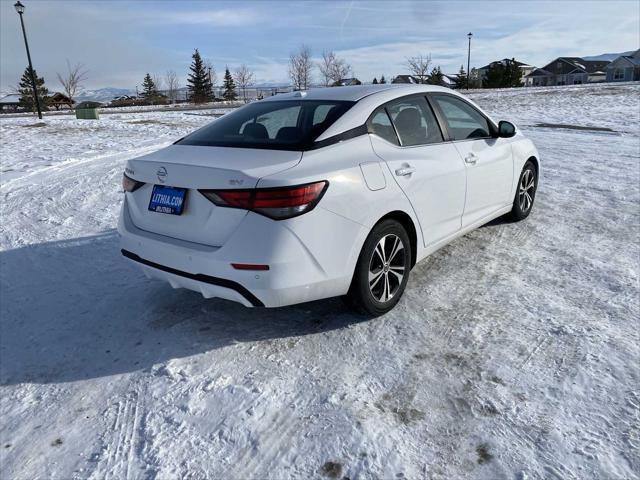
525	197
386	291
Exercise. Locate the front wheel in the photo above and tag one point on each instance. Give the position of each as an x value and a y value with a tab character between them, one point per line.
525	193
382	270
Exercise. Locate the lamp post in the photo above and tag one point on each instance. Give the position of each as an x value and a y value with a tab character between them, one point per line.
20	9
469	35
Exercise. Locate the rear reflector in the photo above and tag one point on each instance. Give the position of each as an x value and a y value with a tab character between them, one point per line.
277	203
249	266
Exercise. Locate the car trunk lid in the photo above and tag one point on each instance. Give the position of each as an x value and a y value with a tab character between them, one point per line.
193	168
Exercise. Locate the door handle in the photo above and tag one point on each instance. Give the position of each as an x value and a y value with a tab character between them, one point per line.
471	159
404	171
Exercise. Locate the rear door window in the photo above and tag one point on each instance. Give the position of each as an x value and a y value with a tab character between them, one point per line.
414	121
464	121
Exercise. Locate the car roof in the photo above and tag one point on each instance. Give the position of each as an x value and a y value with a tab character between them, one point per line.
352	93
367	103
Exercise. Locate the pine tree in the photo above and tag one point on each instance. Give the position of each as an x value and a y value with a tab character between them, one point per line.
25	88
229	86
149	88
200	88
382	80
461	81
436	76
513	74
375	81
495	76
502	75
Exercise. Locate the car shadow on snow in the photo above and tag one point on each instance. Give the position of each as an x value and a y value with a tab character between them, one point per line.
75	309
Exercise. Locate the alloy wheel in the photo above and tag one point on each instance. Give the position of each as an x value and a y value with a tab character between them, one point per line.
386	268
526	190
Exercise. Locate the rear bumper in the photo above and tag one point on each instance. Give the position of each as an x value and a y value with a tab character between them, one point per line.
309	259
189	280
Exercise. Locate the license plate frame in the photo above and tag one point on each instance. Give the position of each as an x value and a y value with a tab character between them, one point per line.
167	200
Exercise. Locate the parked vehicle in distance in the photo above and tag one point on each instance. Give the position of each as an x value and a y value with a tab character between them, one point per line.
322	193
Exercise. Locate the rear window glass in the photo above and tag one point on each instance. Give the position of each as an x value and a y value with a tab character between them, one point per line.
414	121
278	125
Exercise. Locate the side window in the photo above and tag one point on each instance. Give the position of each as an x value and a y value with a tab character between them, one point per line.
414	121
464	121
379	124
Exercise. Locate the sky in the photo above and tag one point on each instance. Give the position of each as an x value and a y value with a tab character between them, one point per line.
119	41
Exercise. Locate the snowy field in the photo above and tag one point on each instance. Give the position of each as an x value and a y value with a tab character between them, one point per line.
513	354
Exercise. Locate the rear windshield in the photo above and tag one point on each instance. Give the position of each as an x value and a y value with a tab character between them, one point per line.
278	125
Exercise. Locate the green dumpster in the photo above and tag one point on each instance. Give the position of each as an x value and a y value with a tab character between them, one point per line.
87	110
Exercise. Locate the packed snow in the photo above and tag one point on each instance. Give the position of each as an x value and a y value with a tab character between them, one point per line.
514	352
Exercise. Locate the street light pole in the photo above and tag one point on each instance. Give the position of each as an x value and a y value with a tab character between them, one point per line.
469	59
20	9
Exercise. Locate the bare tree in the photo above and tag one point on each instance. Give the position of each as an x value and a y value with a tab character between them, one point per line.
171	79
157	81
72	80
419	67
332	68
326	67
300	66
244	78
341	69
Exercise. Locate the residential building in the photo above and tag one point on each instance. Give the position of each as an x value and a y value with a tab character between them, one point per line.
567	71
10	103
625	68
346	82
405	79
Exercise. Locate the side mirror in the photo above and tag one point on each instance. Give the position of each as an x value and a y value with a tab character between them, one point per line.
506	129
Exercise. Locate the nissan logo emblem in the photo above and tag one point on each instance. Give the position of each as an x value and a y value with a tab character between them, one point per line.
162	174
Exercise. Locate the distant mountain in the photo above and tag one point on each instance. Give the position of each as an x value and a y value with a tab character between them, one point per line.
103	95
609	57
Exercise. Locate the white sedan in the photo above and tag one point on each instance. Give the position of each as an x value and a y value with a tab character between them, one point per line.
323	193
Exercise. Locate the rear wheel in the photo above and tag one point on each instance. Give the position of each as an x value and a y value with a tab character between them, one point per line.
382	270
525	193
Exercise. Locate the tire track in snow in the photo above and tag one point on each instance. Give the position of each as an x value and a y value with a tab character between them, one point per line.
122	441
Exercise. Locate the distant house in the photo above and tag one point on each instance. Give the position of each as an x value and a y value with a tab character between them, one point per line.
567	71
347	82
449	81
58	100
405	79
625	68
125	101
10	103
524	68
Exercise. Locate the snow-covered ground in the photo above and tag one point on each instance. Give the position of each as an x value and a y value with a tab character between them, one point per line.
28	146
514	352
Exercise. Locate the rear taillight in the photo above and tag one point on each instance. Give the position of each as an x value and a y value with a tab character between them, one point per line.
129	184
277	203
